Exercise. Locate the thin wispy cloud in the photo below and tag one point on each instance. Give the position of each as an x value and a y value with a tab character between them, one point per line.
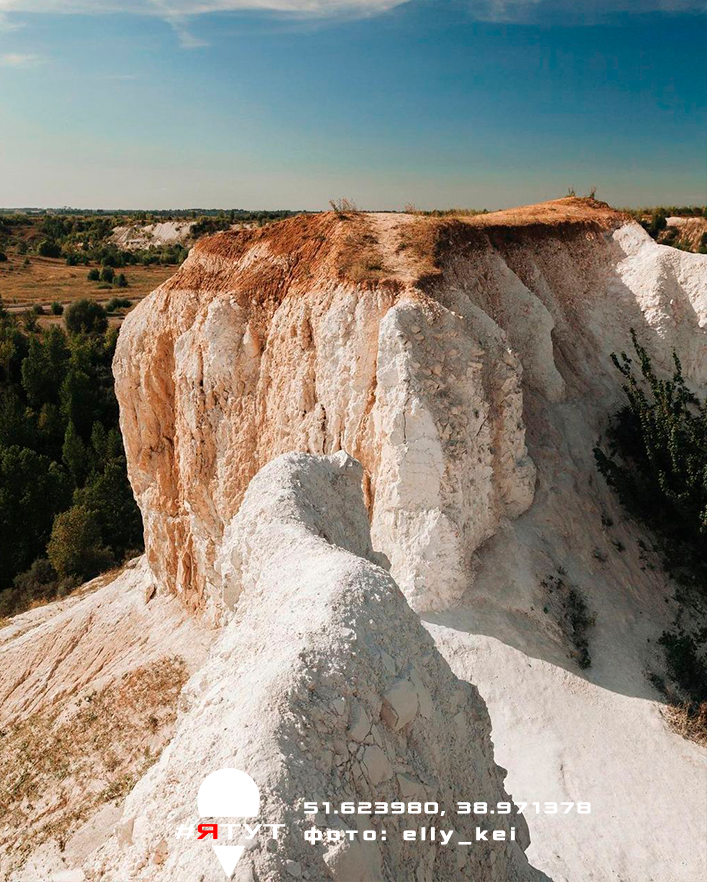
185	9
534	10
180	14
20	59
189	8
7	24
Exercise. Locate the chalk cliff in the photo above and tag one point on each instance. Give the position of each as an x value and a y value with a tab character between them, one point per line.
405	341
464	363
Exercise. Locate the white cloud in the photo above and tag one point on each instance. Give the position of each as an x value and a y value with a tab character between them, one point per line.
166	8
20	59
518	10
187	8
179	13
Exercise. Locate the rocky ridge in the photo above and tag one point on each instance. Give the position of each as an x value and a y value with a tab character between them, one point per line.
350	703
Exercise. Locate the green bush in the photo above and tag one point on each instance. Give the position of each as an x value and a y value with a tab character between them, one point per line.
686	665
57	308
118	303
93	275
657	462
107	274
37	584
85	317
75	547
568	607
121	281
49	248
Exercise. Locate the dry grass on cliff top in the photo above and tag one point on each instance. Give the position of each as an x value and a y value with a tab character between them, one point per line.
360	255
430	238
375	248
414	245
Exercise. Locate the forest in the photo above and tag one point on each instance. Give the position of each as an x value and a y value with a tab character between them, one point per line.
67	511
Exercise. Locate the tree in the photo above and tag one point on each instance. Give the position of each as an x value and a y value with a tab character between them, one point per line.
44	367
109	496
80	398
657	223
85	317
48	248
118	303
657	461
29	319
15	426
38	380
74	454
93	275
107	274
50	430
56	393
75	547
121	281
13	348
32	489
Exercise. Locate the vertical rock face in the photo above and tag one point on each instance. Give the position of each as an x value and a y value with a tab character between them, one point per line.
406	342
451	459
245	354
350	702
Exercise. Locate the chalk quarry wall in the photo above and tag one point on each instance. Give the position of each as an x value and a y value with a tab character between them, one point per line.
465	364
419	346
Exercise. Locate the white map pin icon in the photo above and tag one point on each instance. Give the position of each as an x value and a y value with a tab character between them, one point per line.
228	793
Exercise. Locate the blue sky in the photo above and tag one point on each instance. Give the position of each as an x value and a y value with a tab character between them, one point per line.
477	103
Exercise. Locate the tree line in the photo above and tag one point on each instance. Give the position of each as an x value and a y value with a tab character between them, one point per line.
66	508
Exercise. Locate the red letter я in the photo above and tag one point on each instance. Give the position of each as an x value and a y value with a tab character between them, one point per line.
207	830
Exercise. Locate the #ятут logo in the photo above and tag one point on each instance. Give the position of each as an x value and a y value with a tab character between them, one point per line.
228	793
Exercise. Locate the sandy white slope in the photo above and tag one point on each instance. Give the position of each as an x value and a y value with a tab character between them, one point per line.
597	735
88	694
